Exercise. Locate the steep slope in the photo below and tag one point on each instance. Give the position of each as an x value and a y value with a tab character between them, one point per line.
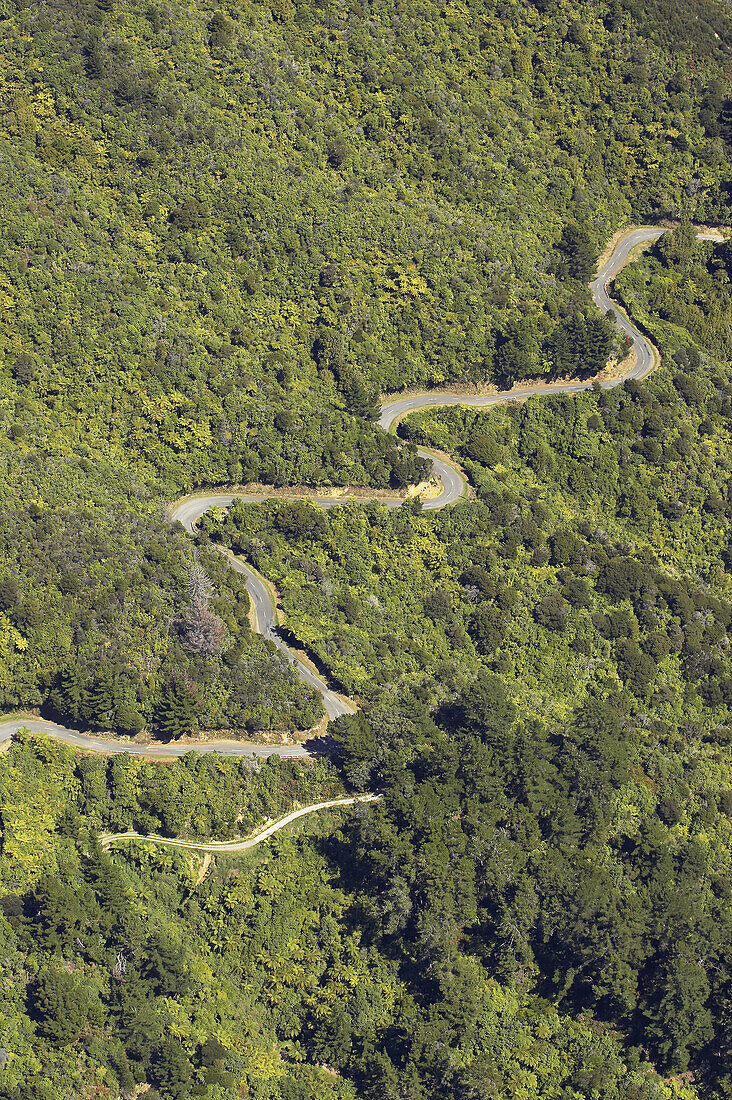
227	230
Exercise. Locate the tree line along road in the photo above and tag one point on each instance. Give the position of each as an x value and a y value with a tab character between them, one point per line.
189	509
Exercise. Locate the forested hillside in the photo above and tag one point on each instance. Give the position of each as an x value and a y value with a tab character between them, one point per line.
549	685
300	972
226	232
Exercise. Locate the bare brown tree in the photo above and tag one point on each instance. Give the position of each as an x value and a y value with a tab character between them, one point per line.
200	629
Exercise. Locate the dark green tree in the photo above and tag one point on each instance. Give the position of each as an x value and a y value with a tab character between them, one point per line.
579	252
176	711
69	698
62	1007
552	611
171	1070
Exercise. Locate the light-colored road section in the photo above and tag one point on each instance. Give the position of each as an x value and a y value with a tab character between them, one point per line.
90	743
189	509
450	477
394	410
646	353
266	620
219	847
401	407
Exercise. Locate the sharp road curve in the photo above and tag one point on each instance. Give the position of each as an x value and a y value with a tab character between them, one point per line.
188	511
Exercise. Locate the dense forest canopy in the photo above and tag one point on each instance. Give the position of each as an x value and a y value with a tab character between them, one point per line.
227	231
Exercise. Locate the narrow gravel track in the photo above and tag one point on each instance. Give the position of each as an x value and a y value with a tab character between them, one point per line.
189	509
219	847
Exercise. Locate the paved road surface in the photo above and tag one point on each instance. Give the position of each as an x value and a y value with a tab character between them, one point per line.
188	511
393	411
101	744
644	349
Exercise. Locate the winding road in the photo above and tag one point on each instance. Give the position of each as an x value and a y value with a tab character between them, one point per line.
218	847
188	511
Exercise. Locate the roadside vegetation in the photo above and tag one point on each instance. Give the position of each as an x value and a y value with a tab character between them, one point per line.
228	231
594	548
302	970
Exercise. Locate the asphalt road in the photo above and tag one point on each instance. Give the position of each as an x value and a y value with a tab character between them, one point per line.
189	509
644	349
393	411
101	744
